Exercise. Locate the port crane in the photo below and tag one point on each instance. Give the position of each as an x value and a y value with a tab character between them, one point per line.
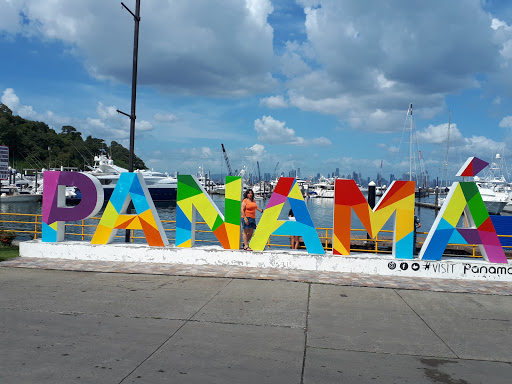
275	170
230	172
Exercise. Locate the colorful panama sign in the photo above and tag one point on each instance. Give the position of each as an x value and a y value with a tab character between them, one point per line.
396	204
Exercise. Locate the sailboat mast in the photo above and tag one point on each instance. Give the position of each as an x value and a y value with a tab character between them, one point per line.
410	148
448	148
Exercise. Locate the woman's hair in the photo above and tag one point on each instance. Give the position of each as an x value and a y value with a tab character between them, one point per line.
291	213
247	193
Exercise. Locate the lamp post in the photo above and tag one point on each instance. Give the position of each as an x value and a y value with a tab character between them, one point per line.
132	115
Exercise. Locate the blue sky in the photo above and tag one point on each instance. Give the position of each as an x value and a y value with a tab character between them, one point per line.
311	84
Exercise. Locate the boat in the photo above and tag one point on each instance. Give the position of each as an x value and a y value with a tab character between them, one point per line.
161	186
324	189
495	201
12	194
494	187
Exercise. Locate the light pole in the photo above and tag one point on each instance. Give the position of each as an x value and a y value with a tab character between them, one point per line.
132	115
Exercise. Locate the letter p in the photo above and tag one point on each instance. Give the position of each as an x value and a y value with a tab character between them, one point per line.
55	211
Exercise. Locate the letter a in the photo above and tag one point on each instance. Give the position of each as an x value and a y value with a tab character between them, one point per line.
287	188
130	186
463	197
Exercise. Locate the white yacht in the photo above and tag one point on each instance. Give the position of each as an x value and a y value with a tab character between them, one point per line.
324	188
161	186
13	194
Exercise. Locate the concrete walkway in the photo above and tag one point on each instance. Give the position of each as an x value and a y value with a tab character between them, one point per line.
139	327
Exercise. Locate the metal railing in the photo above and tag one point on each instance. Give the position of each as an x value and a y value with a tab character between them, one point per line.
29	226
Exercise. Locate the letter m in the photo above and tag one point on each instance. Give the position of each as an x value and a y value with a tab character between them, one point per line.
398	200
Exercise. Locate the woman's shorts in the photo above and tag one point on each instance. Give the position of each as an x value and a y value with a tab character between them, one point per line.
251	224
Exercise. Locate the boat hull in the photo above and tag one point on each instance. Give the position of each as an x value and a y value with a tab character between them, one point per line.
23	198
158	194
495	207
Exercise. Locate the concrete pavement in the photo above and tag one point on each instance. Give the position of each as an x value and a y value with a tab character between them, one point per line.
96	327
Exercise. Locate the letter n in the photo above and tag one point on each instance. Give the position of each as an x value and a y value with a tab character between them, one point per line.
192	197
287	188
55	211
130	187
398	200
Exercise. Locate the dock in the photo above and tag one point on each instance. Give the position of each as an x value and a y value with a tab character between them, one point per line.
427	205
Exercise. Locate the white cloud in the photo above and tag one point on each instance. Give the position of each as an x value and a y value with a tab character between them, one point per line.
480	146
175	38
165	118
274	102
381	60
144	126
257	150
107	113
10	99
439	135
506	122
274	131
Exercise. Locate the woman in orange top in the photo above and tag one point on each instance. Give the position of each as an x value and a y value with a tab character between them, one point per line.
249	208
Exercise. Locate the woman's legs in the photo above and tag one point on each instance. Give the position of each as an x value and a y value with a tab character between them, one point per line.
244	236
247	234
294	240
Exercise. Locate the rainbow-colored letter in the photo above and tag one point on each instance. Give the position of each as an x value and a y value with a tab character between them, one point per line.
398	198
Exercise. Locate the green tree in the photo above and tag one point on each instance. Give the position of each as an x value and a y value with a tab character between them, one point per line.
121	156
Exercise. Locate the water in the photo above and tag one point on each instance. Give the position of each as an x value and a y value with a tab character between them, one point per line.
320	209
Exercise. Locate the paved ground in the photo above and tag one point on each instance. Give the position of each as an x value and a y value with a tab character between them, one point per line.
352	279
152	326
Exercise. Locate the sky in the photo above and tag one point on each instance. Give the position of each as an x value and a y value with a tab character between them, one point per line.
313	85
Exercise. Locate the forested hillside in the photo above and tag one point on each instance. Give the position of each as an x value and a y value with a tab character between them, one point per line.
32	144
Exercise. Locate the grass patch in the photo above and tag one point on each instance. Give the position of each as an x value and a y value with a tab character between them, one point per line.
7	253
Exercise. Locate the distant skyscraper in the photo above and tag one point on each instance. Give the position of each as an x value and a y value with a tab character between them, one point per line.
298	173
355	176
337	172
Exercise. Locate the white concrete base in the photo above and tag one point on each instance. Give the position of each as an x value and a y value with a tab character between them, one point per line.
363	263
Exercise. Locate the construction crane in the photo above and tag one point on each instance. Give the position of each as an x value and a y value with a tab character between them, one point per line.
275	170
379	183
227	160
